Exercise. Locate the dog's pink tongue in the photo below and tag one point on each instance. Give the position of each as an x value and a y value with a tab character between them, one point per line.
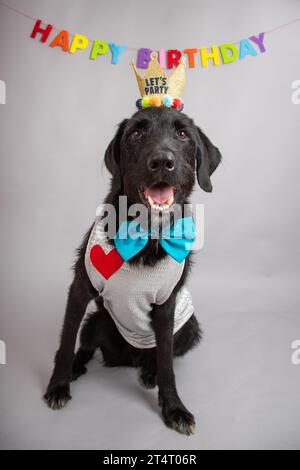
160	195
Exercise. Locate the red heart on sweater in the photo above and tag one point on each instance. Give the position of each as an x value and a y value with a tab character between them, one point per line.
106	264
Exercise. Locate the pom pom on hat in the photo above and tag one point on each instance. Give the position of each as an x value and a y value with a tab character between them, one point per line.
138	103
167	101
177	103
159	100
155	100
146	102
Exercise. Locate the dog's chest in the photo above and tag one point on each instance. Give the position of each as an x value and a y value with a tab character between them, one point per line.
112	277
129	292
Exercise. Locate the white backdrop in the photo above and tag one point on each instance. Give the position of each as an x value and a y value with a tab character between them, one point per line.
60	115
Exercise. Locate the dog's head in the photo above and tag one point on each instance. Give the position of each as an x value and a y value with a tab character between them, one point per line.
155	157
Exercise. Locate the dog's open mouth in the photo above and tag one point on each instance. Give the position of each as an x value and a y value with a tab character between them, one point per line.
159	195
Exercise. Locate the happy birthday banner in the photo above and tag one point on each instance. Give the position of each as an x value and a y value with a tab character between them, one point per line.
169	58
67	42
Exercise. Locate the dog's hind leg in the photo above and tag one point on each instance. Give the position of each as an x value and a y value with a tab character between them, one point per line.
115	349
100	331
89	342
82	357
148	371
187	337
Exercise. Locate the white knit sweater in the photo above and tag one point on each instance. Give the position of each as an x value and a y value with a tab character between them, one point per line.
130	293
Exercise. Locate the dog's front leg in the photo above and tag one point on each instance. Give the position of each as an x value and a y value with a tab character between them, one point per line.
80	294
174	412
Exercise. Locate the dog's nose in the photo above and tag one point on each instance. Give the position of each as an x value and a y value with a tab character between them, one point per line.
164	161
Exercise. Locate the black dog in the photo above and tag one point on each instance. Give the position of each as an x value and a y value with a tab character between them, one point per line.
157	148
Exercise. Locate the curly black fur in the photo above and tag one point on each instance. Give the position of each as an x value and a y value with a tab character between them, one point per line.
127	158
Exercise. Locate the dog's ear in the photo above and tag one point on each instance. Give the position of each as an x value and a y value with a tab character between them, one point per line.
112	155
208	158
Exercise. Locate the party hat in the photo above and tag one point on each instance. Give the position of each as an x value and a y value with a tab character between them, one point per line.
157	89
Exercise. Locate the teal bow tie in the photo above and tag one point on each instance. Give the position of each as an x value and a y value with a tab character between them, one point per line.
176	240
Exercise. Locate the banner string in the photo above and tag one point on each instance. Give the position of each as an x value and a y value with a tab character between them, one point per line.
25	15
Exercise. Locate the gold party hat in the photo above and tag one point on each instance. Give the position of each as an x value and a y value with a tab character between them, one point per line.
157	89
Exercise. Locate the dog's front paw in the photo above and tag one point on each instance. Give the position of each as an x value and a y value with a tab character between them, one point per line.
179	419
57	396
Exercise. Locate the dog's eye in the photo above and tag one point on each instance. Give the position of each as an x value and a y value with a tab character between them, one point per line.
136	135
181	134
